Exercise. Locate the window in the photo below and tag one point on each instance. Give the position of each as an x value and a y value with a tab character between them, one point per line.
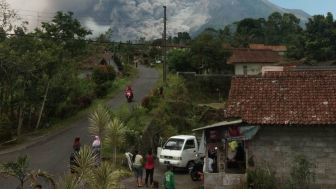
235	157
174	144
189	144
245	69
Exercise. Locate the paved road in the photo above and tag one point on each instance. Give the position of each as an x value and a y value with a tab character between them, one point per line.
182	179
53	155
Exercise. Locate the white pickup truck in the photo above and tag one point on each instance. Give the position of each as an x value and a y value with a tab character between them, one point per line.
179	151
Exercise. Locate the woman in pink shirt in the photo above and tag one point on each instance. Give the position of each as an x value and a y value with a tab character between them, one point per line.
149	166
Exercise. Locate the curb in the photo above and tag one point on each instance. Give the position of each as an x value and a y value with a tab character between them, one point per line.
49	135
35	141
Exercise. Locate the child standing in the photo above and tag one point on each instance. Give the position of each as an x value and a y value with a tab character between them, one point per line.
168	179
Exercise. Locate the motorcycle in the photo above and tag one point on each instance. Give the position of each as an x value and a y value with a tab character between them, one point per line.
196	171
129	96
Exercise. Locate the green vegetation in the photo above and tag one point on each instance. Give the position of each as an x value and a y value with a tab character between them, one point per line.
40	75
206	55
261	178
313	43
301	176
21	172
105	176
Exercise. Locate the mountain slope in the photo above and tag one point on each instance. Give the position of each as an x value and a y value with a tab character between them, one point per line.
143	18
223	12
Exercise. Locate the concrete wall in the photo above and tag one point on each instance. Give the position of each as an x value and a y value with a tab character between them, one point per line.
252	69
222	180
279	145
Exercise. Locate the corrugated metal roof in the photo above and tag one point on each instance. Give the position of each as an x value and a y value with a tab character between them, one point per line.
219	124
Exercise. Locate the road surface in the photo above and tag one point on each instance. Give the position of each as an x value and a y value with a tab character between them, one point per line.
53	155
182	179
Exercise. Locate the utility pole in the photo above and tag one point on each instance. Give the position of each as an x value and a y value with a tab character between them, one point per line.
38	20
165	46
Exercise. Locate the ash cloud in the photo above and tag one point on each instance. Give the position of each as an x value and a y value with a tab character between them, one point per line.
131	19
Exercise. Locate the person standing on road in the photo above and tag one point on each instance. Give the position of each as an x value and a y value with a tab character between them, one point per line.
168	179
149	166
96	150
76	145
137	160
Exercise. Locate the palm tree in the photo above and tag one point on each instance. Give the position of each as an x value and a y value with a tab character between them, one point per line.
85	162
115	135
99	120
103	177
20	171
69	182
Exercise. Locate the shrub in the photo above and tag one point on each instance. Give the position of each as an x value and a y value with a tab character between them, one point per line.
103	74
5	130
261	178
150	102
302	174
102	89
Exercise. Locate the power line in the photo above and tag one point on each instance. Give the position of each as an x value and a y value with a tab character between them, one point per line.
95	41
43	12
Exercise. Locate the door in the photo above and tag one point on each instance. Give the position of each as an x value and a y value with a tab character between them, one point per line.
189	151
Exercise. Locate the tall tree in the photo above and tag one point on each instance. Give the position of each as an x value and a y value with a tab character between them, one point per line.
207	54
67	31
321	36
179	61
250	31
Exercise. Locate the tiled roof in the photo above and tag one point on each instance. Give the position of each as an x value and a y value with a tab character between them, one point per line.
277	48
284	98
253	56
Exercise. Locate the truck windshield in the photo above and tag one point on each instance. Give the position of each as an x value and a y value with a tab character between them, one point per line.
174	144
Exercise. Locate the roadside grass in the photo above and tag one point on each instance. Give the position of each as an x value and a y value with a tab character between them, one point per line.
64	124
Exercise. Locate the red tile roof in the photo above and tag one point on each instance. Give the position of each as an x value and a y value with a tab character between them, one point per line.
277	48
253	56
284	98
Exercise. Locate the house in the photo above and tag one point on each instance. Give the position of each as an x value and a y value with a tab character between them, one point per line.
282	114
251	61
104	59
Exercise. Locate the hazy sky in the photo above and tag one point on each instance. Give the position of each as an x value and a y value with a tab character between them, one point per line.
312	7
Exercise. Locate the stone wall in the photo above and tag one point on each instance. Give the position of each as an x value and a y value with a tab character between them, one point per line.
278	145
223	180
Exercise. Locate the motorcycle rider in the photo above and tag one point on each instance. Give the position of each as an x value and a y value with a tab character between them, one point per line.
129	90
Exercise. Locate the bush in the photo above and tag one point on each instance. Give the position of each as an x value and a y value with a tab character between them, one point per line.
302	174
5	130
261	178
65	109
150	102
102	89
103	74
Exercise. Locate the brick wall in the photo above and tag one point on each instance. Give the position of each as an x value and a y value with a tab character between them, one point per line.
279	145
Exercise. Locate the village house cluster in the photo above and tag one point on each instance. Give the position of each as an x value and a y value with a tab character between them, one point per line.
275	111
